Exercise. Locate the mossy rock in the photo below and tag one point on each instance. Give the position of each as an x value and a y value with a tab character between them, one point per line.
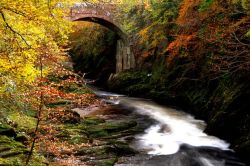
10	162
78	139
11	152
70	117
63	135
53	78
12	146
65	116
59	103
97	132
138	89
7	130
92	121
97	155
8	141
15	153
109	128
24	123
127	79
75	88
23	138
74	134
121	148
97	152
119	126
107	162
30	113
58	78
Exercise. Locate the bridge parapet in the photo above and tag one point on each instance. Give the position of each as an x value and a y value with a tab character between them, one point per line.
104	11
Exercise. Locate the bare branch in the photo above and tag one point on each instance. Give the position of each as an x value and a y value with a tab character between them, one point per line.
14	31
240	41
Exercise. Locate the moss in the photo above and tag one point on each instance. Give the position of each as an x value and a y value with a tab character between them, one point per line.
125	79
205	4
108	128
59	103
65	116
92	120
7	130
63	135
97	132
73	133
138	89
121	148
199	99
93	127
15	153
58	78
100	151
38	160
78	139
118	126
29	113
10	162
53	78
7	142
108	162
75	88
22	137
24	122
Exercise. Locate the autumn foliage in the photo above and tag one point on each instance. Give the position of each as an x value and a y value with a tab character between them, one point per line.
202	59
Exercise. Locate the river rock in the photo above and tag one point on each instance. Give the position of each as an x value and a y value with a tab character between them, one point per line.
86	111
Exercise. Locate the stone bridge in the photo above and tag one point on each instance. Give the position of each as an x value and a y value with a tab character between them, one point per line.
107	15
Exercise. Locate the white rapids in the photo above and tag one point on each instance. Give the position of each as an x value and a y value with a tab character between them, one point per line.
173	129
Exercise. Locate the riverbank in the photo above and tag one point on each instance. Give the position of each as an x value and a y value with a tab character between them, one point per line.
223	107
80	128
76	128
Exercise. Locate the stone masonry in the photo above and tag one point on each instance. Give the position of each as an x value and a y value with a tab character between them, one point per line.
106	15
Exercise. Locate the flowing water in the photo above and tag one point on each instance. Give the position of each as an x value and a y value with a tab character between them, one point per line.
175	138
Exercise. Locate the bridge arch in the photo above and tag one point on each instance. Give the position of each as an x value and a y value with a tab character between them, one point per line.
105	23
104	16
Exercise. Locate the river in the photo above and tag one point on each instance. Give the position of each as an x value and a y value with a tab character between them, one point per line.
173	138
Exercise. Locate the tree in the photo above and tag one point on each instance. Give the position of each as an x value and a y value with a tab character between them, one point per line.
30	29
